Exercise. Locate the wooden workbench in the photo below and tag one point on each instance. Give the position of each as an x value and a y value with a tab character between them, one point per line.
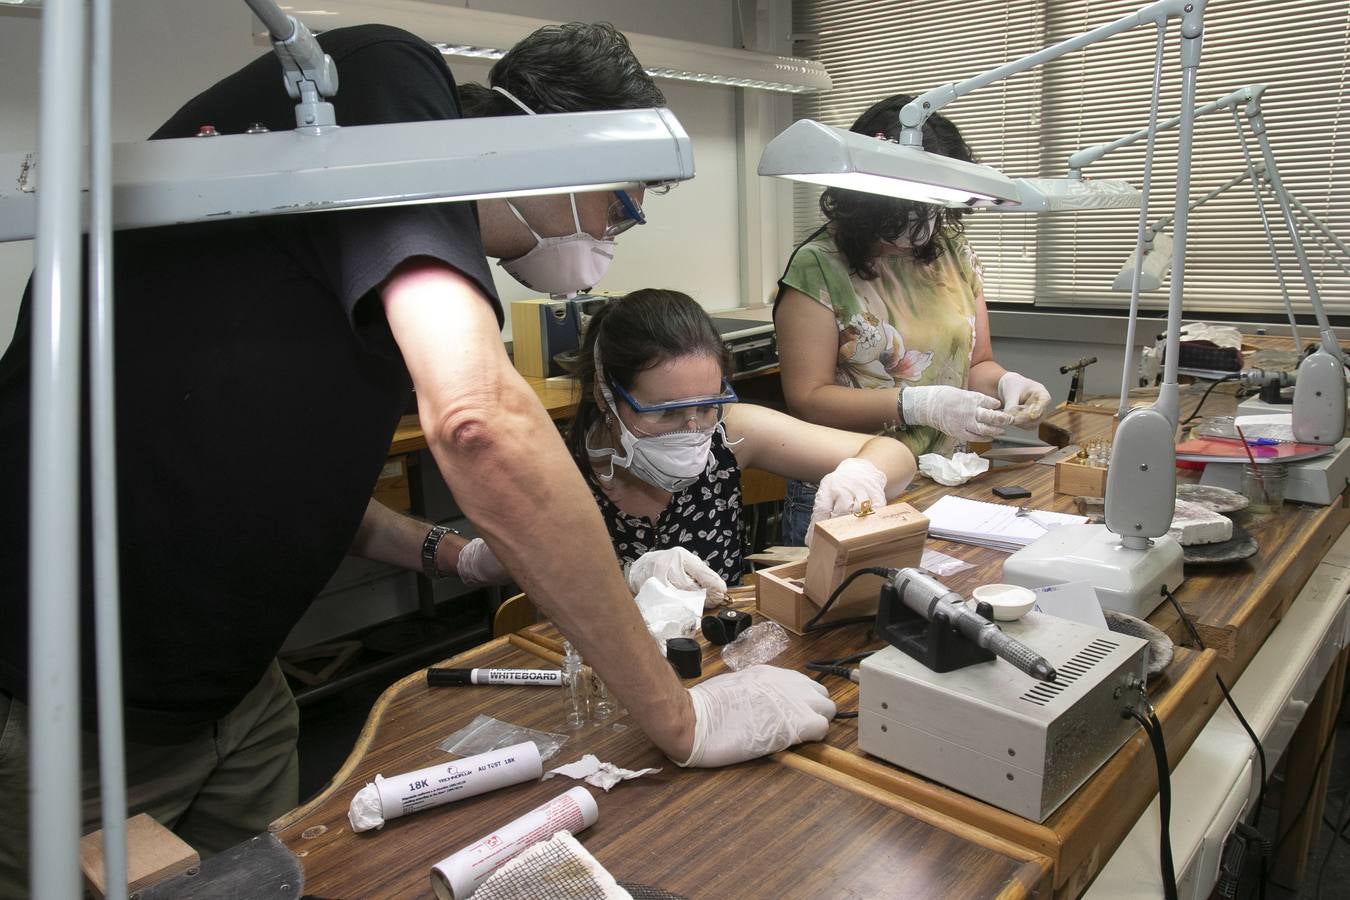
777	827
856	824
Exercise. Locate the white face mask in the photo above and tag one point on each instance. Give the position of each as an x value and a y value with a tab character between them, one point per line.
561	265
558	265
671	462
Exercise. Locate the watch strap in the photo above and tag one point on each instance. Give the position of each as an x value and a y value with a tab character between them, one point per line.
429	546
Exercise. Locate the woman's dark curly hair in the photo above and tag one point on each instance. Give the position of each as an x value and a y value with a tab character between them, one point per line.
576	67
859	220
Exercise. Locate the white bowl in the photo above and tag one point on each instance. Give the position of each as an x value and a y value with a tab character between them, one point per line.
1008	601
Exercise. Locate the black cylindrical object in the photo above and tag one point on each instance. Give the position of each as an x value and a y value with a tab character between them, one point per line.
686	656
725	626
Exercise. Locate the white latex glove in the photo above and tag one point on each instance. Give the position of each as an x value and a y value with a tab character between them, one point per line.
842	491
965	415
477	564
678	568
758	710
1025	399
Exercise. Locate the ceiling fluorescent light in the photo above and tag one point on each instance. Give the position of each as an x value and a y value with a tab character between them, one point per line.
822	154
478	34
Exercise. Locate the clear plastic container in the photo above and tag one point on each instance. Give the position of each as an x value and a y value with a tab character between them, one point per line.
1263	485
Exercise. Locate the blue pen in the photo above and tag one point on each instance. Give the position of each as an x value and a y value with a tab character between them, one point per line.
1263	442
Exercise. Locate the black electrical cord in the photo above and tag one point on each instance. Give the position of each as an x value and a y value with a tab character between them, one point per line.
1251	732
811	624
840	668
1205	396
1153	728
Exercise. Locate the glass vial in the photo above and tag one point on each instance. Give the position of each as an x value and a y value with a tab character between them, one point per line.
1263	485
575	683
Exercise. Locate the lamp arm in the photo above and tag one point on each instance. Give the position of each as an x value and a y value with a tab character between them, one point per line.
1321	226
1192	36
1089	155
917	111
1272	176
309	73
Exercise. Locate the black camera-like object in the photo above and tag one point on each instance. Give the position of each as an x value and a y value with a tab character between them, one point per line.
725	626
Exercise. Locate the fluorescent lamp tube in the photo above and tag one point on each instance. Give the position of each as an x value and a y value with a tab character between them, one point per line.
822	154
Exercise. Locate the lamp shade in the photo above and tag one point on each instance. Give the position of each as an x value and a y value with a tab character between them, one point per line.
1072	195
822	154
1157	263
182	180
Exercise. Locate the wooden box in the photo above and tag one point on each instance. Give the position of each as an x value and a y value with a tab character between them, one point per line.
1077	480
792	593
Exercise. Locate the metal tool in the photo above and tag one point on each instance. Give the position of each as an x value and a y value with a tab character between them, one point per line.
931	599
1077	370
1025	513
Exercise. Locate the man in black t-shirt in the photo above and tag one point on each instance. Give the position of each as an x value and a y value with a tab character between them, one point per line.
243	344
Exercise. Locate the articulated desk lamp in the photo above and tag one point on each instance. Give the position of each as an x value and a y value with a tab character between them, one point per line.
1130	559
1318	414
316	166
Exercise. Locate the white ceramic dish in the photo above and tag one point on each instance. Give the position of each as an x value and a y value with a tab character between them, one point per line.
1008	601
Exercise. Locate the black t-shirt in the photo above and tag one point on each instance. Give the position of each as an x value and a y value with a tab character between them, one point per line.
258	387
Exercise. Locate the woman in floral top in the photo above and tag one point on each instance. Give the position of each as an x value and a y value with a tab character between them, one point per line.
882	325
661	440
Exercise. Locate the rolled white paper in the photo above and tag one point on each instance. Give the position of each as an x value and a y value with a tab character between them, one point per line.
460	874
389	798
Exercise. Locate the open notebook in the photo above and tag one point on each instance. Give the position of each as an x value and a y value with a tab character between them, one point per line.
994	525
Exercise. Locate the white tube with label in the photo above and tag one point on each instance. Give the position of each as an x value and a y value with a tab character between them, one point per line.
460	874
398	795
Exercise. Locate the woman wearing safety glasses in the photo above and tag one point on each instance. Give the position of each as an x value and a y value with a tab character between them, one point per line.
661	439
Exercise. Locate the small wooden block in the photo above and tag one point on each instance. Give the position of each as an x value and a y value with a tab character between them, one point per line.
153	854
1078	480
892	536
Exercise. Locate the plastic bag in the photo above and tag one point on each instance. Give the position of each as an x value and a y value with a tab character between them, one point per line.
942	565
757	645
485	733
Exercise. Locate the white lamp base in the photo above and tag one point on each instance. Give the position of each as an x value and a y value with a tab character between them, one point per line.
1126	580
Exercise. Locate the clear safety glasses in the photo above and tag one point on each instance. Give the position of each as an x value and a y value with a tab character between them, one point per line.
624	212
692	414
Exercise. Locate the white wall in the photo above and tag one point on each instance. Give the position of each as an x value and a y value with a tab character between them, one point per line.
165	53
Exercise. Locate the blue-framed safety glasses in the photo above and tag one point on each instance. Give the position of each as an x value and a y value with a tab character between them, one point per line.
693	413
624	212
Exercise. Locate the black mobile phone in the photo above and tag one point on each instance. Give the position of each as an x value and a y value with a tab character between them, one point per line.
1012	492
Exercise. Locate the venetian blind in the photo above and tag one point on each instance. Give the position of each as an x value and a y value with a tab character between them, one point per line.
876	48
1300	49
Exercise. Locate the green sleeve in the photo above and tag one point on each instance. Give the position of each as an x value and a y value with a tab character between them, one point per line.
806	274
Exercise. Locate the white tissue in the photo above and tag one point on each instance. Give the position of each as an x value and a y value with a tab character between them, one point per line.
601	774
669	612
1219	335
958	470
365	812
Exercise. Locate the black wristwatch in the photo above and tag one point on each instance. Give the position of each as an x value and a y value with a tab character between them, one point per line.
429	546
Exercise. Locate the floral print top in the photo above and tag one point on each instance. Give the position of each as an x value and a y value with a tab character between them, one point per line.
914	324
704	518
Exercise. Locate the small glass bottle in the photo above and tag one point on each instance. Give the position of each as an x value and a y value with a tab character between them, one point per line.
602	704
575	683
1263	485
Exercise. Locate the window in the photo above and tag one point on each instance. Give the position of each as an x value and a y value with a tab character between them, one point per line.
1030	124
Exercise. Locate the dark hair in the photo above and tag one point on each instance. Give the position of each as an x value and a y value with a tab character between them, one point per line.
565	68
859	220
635	333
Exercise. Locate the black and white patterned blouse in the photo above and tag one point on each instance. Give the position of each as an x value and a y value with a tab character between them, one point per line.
704	518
